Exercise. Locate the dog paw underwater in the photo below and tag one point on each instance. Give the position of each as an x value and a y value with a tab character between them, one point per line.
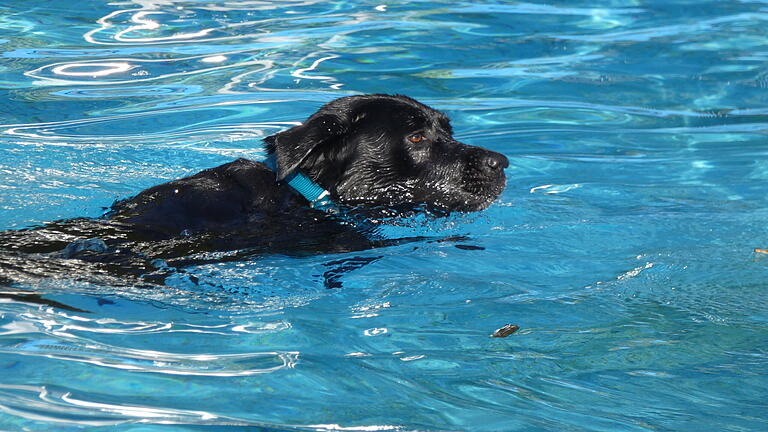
320	190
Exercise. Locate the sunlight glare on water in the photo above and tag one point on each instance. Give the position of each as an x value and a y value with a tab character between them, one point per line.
623	245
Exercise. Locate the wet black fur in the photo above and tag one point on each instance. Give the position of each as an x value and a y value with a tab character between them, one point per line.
356	147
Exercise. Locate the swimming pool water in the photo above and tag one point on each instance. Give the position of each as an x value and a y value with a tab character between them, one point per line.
622	245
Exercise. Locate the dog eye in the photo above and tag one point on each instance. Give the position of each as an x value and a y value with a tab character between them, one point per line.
417	138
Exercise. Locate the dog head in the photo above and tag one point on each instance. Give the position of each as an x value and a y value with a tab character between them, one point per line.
389	151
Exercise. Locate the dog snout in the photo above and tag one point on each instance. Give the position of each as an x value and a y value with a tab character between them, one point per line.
493	161
488	162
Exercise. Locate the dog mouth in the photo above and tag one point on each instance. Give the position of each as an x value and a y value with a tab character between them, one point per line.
482	177
472	194
478	201
480	189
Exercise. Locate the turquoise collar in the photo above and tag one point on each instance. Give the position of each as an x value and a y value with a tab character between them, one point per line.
318	197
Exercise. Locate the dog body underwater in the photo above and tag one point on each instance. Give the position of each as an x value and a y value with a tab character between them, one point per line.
367	154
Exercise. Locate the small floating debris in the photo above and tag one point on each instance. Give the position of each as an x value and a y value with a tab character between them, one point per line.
506	330
762	251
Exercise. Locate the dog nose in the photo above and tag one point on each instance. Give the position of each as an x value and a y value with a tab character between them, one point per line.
495	161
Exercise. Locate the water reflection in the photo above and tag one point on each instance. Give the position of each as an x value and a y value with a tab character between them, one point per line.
135	360
142	69
56	334
93	69
63	406
623	245
171	22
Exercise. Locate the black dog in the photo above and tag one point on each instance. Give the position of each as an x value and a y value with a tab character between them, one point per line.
356	157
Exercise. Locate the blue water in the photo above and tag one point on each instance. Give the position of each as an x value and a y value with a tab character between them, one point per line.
623	245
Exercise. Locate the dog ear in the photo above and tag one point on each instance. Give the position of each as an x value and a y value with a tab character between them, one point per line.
291	147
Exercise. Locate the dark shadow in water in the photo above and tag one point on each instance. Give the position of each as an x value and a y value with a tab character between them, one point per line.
30	297
332	277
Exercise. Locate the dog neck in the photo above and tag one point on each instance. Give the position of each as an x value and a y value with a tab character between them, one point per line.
318	197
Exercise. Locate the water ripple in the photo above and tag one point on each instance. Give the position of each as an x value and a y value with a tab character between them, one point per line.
64	336
65	324
154	24
221	365
131	70
676	30
63	406
74	131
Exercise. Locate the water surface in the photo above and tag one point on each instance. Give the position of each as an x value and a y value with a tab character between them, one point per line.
622	245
